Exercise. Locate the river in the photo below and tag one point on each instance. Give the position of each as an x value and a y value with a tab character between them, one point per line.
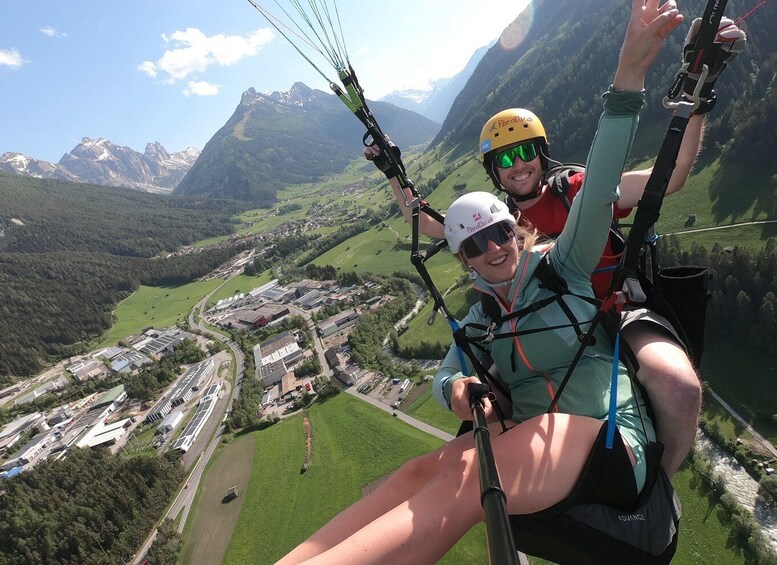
741	485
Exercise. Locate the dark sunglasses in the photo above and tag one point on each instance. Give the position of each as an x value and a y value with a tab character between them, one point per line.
526	152
477	244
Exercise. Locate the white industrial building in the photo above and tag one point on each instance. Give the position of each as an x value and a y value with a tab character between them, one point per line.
274	356
194	427
182	390
103	434
170	422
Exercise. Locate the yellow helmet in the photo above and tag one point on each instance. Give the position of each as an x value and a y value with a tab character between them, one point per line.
510	127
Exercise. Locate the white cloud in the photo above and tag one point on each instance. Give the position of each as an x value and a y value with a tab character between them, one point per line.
49	31
11	58
193	52
201	88
148	68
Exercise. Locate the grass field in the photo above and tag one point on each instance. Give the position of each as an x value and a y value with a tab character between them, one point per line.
745	379
241	283
426	409
716	206
353	445
419	331
704	528
160	307
377	251
729	427
207	535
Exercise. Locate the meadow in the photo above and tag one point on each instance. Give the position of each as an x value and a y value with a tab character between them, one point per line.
159	307
213	519
238	284
354	445
745	379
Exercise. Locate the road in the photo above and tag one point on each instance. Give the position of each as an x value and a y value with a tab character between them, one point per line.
317	343
758	437
199	326
445	436
714	228
183	502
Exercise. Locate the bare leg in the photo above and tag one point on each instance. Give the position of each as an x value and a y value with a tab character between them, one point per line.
539	462
672	386
397	488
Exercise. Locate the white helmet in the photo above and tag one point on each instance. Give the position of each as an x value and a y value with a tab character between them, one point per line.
471	213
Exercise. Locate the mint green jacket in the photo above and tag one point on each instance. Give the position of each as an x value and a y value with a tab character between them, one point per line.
534	365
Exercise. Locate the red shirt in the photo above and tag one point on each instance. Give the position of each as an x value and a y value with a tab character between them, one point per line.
548	215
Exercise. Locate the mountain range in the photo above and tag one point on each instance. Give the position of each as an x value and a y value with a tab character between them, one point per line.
273	140
559	70
101	162
435	102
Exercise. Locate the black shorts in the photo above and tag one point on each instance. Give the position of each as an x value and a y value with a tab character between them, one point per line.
604	520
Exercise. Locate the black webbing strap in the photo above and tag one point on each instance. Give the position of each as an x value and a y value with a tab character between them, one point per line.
649	207
705	38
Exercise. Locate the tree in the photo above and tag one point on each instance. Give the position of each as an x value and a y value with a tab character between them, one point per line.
167	545
767	490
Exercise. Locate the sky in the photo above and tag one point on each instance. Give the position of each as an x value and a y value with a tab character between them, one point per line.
173	71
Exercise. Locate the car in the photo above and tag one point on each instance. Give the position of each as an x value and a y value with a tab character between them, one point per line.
307	386
187	485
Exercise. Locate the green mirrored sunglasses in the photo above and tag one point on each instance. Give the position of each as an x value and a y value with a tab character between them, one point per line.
526	152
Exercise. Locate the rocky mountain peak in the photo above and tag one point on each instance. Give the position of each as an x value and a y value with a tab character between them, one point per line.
99	161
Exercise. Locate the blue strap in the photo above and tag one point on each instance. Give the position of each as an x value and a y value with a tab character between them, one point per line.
605	269
613	392
462	361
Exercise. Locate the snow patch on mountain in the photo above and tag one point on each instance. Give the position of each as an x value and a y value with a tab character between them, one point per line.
101	162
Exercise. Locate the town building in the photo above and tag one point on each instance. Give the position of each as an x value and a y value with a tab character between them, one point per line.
161	344
28	452
275	356
337	322
87	370
251	319
170	422
57	384
182	390
11	432
103	434
129	361
195	425
311	299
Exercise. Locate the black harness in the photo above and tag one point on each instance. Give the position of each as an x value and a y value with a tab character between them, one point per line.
352	95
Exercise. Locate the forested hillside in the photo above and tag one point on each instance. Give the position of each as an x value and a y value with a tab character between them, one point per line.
48	215
69	252
275	140
64	511
567	59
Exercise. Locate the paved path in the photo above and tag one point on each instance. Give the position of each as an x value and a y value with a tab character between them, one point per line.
727	226
445	436
765	442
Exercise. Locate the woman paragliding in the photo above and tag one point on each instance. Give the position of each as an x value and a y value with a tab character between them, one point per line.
544	459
